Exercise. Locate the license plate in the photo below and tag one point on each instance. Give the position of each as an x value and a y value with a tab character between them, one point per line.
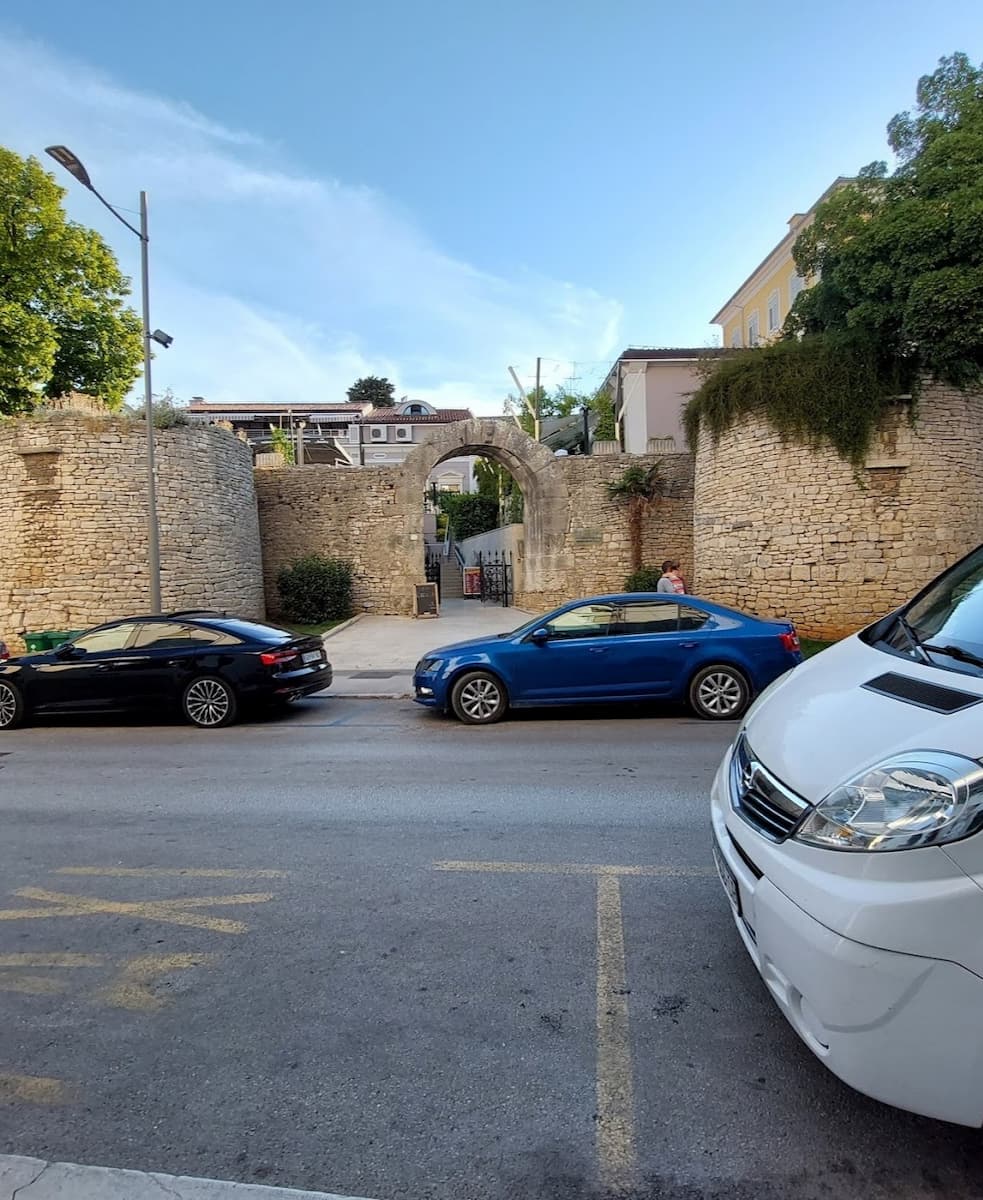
727	879
312	656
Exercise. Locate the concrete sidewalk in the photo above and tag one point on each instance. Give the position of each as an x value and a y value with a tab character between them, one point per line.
35	1179
373	657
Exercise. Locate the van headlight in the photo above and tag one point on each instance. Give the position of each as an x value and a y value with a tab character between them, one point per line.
923	798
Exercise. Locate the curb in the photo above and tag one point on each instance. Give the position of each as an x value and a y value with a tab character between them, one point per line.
35	1179
330	634
363	696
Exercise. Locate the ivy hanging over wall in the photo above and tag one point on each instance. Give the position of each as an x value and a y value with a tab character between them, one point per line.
831	389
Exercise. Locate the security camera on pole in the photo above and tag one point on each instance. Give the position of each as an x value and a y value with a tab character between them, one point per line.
65	157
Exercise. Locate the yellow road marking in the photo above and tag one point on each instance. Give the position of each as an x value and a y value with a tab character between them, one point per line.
521	868
170	872
130	988
34	1089
615	1090
52	960
13	980
616	1150
170	912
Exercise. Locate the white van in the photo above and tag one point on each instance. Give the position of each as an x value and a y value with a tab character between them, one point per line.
848	833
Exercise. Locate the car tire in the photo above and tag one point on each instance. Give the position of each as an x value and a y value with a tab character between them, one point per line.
209	702
719	693
479	698
11	706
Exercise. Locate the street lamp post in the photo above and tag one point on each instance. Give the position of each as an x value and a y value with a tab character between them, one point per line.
65	157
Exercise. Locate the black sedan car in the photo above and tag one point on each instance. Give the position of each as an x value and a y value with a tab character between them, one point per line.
206	664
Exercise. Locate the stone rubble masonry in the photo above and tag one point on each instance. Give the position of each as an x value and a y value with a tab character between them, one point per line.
575	538
786	531
339	513
73	521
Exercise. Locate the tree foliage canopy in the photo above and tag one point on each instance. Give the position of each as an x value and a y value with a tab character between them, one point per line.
564	403
370	389
64	325
899	263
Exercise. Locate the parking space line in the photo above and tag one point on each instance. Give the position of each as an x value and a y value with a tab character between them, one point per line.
169	912
615	1088
35	1089
171	872
520	868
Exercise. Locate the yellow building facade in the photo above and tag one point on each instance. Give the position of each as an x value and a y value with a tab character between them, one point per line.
757	310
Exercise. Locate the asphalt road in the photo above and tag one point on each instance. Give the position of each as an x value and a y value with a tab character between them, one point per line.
357	949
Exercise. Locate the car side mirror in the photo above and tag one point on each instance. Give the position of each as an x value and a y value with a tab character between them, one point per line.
67	650
540	635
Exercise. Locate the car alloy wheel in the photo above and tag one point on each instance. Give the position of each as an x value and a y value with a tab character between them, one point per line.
719	693
479	699
209	703
10	706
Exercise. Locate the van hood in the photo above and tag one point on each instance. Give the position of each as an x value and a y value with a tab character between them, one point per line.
818	725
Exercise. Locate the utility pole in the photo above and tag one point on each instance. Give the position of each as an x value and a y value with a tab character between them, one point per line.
537	426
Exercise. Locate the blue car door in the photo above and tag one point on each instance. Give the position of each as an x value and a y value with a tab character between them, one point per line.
570	663
648	653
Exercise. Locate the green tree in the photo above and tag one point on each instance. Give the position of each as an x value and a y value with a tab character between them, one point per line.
495	482
564	403
370	389
64	325
899	296
469	513
637	489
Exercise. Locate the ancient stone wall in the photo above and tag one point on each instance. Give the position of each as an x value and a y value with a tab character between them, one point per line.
598	550
575	539
73	523
341	513
786	531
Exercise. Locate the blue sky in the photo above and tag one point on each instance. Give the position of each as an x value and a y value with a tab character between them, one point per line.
435	191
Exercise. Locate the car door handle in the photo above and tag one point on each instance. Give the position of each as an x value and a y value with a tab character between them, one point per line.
597	649
689	645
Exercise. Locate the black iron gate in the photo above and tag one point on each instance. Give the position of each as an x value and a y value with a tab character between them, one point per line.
496	578
432	570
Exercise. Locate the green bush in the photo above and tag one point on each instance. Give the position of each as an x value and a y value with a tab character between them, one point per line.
469	513
645	579
315	589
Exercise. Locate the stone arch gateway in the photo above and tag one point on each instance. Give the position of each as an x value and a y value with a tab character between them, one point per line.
534	468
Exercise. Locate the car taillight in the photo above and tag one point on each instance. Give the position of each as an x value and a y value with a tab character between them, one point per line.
4	652
274	657
791	642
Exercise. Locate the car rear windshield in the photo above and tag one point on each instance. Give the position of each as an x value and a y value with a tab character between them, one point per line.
249	631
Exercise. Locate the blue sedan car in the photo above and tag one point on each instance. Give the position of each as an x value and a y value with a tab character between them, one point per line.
639	646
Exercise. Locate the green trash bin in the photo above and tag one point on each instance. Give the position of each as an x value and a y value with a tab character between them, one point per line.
56	637
36	643
73	634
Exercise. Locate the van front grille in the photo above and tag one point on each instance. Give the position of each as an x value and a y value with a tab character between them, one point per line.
760	799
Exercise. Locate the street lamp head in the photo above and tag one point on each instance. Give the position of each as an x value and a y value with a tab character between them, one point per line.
63	156
162	338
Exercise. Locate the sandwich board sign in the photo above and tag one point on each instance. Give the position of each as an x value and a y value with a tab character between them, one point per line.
425	600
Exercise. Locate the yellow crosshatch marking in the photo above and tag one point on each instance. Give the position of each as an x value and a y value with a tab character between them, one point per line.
35	1089
615	1084
13	979
130	988
169	912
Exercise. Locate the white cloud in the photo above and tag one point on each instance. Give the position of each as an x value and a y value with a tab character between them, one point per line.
275	285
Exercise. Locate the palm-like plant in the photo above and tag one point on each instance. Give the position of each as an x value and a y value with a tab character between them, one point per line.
637	488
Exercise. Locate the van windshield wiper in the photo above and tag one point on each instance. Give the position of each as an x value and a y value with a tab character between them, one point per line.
956	652
913	639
